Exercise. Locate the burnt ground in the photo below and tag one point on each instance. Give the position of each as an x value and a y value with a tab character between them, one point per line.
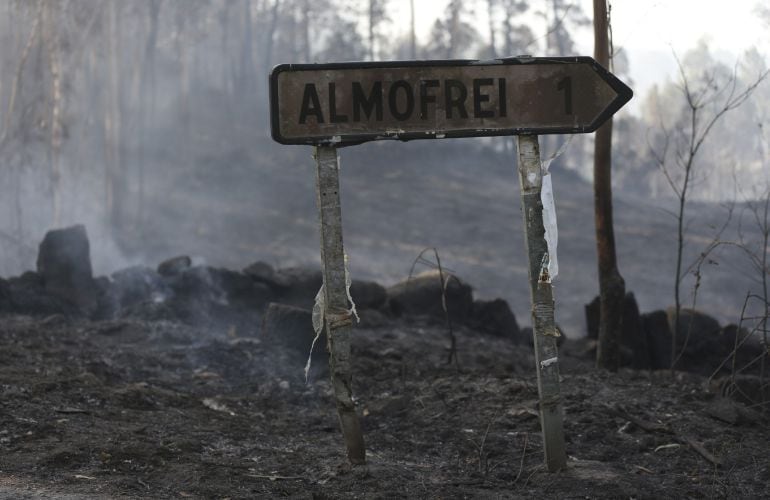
157	409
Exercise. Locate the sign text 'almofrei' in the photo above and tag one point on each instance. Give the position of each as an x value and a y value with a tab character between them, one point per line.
355	102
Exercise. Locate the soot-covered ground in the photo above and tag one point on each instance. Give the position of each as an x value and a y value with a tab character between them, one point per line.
138	408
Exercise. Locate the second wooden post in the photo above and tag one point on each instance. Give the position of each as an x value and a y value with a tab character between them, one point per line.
543	323
337	315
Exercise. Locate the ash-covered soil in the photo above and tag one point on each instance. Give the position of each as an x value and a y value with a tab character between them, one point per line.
136	408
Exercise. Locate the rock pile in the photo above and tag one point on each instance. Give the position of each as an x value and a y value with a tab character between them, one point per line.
702	344
258	297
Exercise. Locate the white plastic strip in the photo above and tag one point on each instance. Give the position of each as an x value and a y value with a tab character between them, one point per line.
551	229
348	282
546	164
319	310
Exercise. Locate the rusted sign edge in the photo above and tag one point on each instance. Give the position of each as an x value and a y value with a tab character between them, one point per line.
624	94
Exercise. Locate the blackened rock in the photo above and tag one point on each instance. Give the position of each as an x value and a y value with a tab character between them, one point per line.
700	347
422	295
298	286
496	318
748	348
209	295
64	263
658	334
174	266
240	290
135	285
368	294
289	326
633	338
292	328
593	313
5	296
630	317
106	303
197	296
731	337
732	412
699	324
699	340
634	349
26	294
197	282
373	318
748	389
264	273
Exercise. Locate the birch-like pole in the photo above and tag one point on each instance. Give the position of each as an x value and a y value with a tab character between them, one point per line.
544	327
337	316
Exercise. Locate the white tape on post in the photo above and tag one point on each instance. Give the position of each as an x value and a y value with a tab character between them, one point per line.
551	229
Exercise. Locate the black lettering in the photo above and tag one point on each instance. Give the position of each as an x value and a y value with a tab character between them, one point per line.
369	105
393	100
333	116
310	97
426	98
502	101
479	98
455	102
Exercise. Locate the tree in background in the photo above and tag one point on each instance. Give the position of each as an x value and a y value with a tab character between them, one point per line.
105	97
37	102
377	15
690	116
562	18
453	36
517	37
612	287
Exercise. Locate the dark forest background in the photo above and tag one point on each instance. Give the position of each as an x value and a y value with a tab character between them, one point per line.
148	122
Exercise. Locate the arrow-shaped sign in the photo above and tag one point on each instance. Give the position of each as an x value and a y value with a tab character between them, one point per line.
349	103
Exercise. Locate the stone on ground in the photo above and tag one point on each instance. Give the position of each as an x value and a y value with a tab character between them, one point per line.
64	265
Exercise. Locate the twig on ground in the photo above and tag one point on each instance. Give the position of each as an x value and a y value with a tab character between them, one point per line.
72	411
681	438
482	459
642	424
274	477
702	451
444	284
523	455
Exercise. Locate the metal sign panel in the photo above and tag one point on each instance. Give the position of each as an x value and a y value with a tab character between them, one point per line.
349	103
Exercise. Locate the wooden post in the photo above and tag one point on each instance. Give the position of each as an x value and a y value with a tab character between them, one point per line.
337	315
544	327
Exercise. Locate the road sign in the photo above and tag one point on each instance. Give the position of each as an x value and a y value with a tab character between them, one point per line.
348	103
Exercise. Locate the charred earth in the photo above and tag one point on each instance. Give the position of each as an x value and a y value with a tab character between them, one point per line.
186	381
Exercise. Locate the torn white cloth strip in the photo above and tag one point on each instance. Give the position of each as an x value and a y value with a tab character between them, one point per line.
319	310
546	164
548	362
551	229
348	283
319	313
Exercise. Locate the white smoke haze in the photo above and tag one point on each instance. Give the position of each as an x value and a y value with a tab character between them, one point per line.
148	123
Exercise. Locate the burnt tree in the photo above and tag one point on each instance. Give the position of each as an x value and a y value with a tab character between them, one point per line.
612	288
